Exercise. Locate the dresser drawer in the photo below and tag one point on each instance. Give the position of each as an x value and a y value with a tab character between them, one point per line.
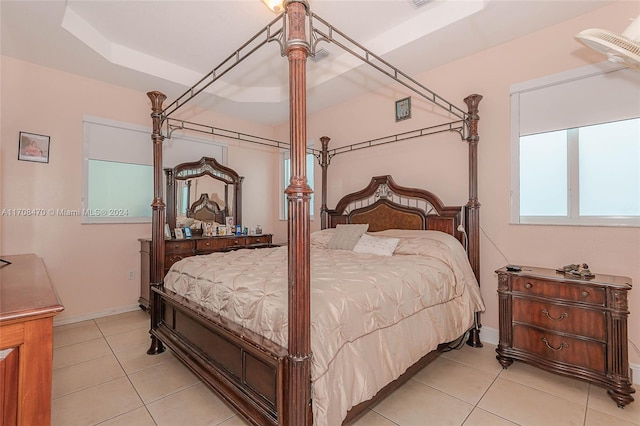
258	240
178	246
567	319
556	290
213	244
555	347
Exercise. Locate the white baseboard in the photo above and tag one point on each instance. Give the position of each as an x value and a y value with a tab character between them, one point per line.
492	336
94	315
489	335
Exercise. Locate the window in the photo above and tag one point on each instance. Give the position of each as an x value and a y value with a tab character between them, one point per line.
113	195
118	176
286	177
576	149
118	168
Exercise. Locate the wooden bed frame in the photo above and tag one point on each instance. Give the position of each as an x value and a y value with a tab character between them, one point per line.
269	384
249	371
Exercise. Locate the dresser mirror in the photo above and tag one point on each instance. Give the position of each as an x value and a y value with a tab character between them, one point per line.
203	191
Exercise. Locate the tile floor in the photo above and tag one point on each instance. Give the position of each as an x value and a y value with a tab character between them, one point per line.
102	375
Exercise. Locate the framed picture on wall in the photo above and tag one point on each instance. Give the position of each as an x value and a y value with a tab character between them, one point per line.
403	109
33	147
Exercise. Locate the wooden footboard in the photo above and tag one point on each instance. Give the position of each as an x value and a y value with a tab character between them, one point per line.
243	368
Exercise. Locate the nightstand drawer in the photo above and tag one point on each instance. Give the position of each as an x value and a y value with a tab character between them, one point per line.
555	347
564	291
567	319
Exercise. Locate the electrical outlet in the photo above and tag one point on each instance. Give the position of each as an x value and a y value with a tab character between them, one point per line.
132	275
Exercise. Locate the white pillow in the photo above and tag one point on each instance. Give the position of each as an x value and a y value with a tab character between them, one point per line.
346	236
376	245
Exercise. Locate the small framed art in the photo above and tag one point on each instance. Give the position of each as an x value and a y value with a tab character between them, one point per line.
167	231
179	234
403	109
33	147
187	232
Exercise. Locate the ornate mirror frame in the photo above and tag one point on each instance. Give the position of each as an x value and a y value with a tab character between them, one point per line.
205	167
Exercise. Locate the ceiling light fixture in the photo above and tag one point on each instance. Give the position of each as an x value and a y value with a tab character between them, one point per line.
274	5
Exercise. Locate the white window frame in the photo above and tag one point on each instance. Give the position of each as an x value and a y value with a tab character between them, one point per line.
285	155
572	218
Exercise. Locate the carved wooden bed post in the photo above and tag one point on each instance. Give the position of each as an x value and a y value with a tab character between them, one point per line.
158	217
298	376
473	206
324	163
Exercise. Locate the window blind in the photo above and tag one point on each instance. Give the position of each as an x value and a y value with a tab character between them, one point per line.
576	98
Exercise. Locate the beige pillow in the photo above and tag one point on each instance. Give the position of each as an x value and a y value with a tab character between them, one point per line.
346	237
376	245
321	238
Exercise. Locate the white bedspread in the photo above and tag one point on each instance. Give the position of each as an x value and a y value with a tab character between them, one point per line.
377	313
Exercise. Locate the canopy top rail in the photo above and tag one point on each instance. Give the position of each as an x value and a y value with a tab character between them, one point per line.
173	124
275	30
331	34
454	126
319	30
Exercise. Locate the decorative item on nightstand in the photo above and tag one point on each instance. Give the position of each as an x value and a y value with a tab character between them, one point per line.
567	323
577	269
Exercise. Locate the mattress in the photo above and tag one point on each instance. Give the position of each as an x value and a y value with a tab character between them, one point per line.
363	307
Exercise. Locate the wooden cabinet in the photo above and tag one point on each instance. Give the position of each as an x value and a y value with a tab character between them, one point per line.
568	325
28	304
175	250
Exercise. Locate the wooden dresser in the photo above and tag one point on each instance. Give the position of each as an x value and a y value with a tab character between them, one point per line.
28	304
568	325
175	250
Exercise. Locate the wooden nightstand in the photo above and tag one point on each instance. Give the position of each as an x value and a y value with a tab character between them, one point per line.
568	325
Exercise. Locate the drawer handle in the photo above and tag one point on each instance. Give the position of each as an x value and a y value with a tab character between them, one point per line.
528	285
561	347
236	242
584	293
207	244
563	316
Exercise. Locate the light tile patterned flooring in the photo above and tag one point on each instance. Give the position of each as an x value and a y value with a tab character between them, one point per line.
102	375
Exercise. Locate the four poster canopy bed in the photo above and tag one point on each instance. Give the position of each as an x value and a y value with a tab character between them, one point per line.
385	286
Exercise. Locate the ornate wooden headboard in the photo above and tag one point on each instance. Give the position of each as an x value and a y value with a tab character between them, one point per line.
206	210
383	204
